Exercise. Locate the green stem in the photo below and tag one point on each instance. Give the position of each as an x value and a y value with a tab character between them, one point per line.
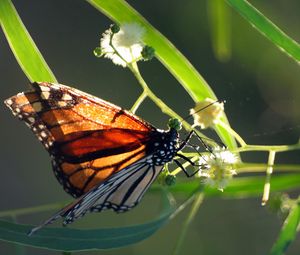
246	167
258	168
190	199
219	16
276	148
147	91
138	102
233	133
164	108
269	172
195	207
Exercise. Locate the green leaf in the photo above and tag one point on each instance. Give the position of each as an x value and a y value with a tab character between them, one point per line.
288	231
27	54
240	187
121	12
68	239
267	28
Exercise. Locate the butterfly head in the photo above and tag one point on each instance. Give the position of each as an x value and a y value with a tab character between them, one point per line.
175	124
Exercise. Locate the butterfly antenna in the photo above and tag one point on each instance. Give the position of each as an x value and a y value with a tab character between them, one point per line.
203	108
205	138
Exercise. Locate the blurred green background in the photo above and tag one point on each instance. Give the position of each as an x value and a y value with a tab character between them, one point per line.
260	84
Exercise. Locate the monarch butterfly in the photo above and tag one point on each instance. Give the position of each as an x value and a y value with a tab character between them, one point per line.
102	155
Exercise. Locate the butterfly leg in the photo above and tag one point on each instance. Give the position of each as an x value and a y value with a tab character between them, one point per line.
192	164
186	141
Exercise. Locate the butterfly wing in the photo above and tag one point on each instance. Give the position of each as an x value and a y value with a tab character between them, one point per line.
88	138
121	192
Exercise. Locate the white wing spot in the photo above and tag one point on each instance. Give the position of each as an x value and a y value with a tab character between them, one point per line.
66	97
45	95
43	134
62	103
44	88
31	119
9	101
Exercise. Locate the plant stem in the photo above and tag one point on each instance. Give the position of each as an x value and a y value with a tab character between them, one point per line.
276	148
258	168
195	207
133	67
269	172
164	108
233	133
138	102
248	167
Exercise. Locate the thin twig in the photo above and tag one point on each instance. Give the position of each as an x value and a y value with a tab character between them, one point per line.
195	207
269	172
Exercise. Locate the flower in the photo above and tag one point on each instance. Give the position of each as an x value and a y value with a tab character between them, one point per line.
219	167
207	112
127	44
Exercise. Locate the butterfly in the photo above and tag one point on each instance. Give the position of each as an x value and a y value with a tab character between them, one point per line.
102	155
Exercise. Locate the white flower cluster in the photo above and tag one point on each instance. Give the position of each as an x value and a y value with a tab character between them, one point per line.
127	44
207	112
219	167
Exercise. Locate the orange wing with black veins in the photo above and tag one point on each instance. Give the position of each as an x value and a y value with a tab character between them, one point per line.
88	138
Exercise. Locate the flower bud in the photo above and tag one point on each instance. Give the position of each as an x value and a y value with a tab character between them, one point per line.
98	52
148	52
